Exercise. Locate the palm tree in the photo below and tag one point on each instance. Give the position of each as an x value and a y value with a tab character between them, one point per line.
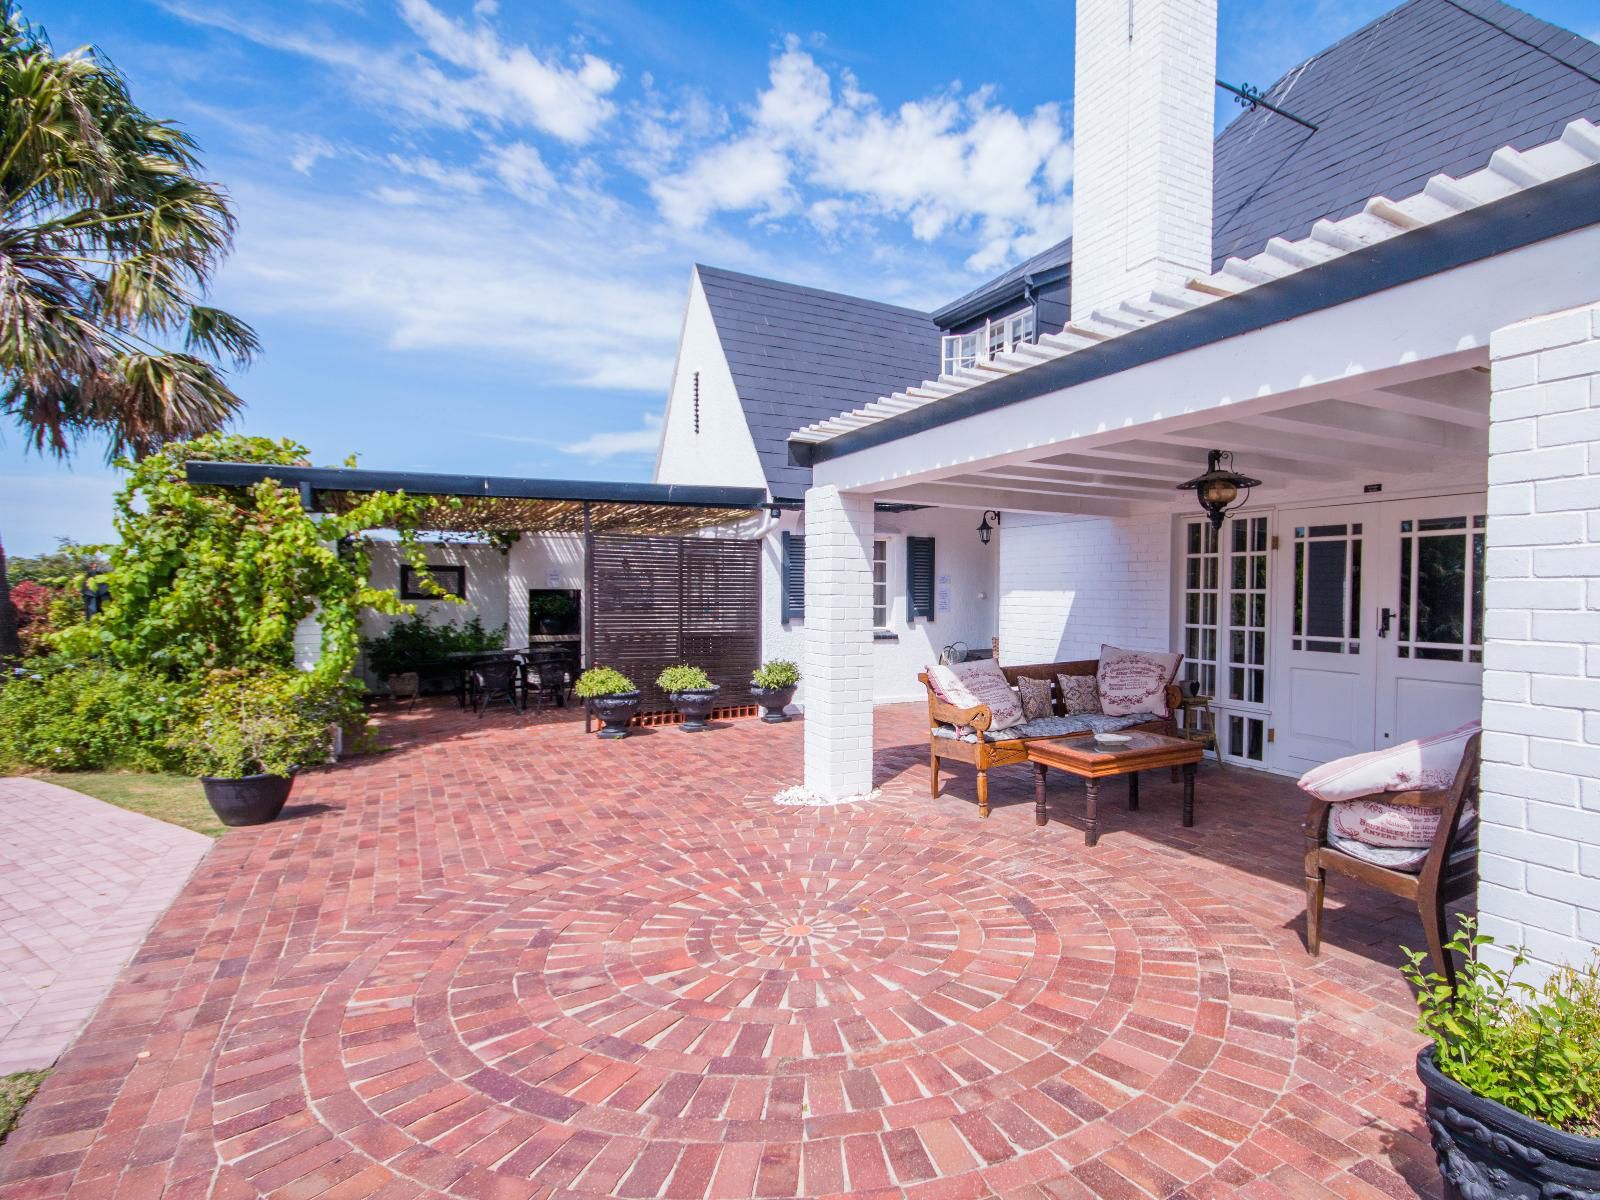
108	239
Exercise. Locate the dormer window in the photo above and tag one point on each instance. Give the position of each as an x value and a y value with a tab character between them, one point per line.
995	338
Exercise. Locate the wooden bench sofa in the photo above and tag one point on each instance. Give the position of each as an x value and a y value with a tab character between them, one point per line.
983	750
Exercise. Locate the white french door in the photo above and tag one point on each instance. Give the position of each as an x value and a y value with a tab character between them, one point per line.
1378	625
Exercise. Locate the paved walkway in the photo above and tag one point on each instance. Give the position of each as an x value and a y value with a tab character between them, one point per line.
508	961
81	883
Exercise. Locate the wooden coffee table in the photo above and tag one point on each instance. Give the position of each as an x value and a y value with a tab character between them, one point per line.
1090	762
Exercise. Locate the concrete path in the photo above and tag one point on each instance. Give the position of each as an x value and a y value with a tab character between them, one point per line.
81	883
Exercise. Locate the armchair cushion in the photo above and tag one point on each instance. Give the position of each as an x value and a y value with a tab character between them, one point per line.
969	684
1396	858
1135	681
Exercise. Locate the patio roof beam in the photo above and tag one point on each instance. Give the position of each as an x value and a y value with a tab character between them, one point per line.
989	480
1249	438
1192	458
1433	399
1106	479
948	495
1370	427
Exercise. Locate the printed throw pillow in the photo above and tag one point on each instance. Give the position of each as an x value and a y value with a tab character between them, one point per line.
969	684
1135	681
1080	694
1426	764
1035	697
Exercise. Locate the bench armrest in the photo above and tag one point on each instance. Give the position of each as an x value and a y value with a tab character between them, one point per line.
979	717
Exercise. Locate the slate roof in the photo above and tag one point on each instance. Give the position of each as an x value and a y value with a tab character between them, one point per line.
1431	86
799	355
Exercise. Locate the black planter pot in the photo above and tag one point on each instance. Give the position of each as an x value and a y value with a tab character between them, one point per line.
252	800
615	712
774	700
694	706
1488	1152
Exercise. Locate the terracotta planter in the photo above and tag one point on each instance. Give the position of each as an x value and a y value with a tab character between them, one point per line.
1487	1151
615	712
252	800
694	706
774	701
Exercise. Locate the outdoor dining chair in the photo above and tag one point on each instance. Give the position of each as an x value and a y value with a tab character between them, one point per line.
492	681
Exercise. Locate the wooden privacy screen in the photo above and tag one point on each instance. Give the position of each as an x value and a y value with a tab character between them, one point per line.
658	601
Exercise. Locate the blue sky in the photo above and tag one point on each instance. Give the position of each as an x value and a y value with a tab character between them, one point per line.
466	228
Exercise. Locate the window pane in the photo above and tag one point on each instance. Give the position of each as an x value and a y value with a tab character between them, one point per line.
1324	592
1441	589
1476	636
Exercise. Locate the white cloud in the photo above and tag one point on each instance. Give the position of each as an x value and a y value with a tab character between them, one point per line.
941	163
453	179
625	443
308	151
460	75
521	169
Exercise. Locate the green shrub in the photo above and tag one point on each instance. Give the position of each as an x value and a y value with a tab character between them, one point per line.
683	679
777	673
1535	1050
602	681
62	715
250	723
408	643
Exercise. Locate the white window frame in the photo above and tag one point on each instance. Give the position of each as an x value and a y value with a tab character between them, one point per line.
1235	719
993	338
881	586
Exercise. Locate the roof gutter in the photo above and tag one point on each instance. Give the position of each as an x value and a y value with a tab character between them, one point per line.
417	483
1533	215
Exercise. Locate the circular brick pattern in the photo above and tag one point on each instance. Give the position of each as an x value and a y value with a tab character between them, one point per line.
923	1004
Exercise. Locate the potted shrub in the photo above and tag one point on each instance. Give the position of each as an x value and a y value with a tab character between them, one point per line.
692	694
773	685
1512	1077
248	733
612	696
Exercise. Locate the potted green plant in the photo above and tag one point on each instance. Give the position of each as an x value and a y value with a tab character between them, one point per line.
1512	1077
246	735
692	694
773	684
612	696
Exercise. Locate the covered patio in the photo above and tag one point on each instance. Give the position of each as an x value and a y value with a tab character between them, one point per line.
501	960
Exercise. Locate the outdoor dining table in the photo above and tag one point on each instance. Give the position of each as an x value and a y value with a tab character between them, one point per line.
1091	762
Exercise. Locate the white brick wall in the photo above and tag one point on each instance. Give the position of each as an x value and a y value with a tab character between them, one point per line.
1540	841
838	642
1143	100
1069	585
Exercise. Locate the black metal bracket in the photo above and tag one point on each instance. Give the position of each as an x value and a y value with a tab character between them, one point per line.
1250	97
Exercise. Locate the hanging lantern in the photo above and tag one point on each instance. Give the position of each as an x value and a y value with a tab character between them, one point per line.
1217	489
984	528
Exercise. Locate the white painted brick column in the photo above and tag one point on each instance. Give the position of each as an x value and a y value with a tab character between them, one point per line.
838	642
1540	840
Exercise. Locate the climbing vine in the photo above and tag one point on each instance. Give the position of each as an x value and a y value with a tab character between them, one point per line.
215	578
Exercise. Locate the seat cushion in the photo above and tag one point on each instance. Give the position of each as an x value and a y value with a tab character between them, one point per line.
1135	681
1426	764
1047	727
1395	858
980	681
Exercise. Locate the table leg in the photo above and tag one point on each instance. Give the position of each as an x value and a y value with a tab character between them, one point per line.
1188	794
1040	815
1133	791
1091	832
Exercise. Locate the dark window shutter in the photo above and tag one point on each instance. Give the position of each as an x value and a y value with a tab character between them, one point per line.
919	578
793	584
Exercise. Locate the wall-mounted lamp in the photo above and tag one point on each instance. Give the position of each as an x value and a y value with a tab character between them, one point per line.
1218	488
984	528
774	511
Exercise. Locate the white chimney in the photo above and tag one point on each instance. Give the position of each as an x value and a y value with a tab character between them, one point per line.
1144	80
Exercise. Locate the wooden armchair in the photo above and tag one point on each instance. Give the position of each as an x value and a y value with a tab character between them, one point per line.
983	753
1448	873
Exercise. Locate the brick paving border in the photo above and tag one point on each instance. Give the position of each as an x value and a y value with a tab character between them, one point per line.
81	883
507	961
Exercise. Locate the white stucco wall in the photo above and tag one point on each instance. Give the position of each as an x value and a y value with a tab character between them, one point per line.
1067	585
969	565
486	585
721	451
539	560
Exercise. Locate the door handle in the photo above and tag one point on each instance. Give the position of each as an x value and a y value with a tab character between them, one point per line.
1385	615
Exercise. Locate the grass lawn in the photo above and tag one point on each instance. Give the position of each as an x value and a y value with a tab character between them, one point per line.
176	799
15	1092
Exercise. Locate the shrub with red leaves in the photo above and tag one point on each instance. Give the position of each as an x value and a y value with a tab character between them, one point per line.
33	602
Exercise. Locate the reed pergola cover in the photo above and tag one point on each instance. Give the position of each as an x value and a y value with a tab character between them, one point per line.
499	504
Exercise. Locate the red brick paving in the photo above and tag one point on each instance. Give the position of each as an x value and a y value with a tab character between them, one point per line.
504	960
